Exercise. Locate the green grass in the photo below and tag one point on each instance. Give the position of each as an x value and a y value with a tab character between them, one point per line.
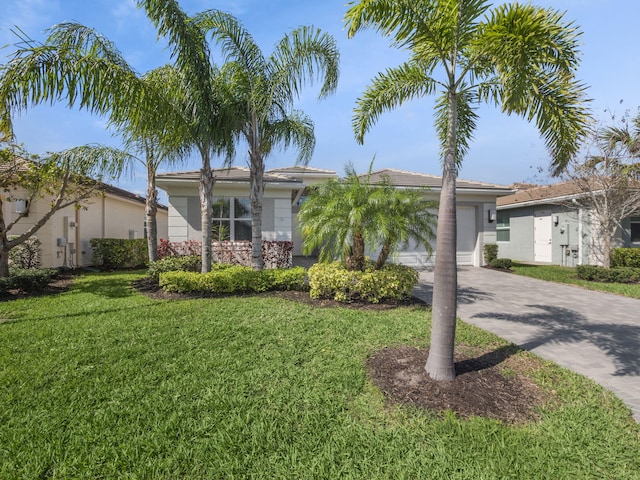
101	382
556	273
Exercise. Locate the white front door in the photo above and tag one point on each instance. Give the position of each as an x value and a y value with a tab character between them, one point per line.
467	234
542	232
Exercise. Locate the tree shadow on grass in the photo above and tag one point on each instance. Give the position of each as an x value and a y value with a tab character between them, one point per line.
565	326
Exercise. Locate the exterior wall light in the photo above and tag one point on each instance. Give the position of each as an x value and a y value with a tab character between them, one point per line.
491	216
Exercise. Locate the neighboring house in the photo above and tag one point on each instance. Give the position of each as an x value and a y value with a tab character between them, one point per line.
547	224
284	192
66	237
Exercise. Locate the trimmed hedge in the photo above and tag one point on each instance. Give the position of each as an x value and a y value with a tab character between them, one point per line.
593	273
625	257
490	253
116	253
234	279
189	263
501	263
391	283
28	280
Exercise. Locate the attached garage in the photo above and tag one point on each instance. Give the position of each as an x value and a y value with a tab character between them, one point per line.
476	215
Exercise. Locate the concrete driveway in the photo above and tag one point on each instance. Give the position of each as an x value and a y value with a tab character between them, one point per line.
592	333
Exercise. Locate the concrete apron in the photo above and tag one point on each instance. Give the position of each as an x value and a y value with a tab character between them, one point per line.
595	334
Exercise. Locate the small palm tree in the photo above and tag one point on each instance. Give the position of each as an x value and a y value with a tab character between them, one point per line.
265	89
519	57
346	218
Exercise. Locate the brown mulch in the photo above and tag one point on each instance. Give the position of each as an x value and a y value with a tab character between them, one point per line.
60	284
492	384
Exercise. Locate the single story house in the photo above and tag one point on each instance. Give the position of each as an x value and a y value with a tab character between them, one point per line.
284	193
552	224
65	238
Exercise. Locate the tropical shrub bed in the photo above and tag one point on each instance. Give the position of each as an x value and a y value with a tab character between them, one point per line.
27	280
188	263
593	273
334	281
228	279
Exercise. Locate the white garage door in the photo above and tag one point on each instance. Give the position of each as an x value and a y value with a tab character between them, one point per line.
466	243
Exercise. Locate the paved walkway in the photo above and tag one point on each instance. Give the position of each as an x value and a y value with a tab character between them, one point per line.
592	333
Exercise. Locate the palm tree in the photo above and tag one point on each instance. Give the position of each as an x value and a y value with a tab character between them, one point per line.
267	88
519	57
78	64
346	218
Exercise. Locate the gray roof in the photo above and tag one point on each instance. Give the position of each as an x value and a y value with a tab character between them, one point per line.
402	178
232	174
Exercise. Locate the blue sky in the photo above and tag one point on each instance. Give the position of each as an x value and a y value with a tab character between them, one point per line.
505	149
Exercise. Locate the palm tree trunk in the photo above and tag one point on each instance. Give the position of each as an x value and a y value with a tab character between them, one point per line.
256	198
4	251
151	208
383	256
206	210
440	363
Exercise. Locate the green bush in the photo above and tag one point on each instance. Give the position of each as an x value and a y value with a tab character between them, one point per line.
390	283
115	253
28	280
490	253
26	255
608	275
233	279
188	263
625	257
501	263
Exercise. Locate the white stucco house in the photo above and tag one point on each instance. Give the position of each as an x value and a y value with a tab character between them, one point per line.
65	238
284	193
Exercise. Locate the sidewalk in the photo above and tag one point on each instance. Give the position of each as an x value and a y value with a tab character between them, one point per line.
595	334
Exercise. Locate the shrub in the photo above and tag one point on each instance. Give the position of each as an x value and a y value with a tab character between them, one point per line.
333	280
501	263
275	254
490	253
233	279
26	255
28	280
189	263
114	253
625	257
593	273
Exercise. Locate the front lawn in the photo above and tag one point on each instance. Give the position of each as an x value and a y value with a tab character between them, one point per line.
556	273
103	382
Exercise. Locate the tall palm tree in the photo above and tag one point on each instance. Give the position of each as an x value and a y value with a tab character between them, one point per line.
202	97
79	65
345	217
267	88
519	57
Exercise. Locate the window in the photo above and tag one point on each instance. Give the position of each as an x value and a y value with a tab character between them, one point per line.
231	219
635	229
503	227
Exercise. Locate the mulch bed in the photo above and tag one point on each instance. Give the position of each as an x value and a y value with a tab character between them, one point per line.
481	387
